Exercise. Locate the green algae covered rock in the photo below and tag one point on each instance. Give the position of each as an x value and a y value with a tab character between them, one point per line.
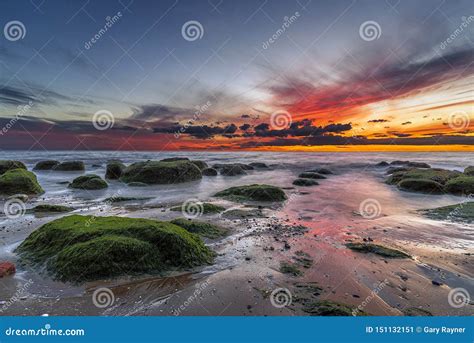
253	193
46	165
89	182
114	170
376	249
461	185
421	185
81	248
6	165
19	181
203	229
70	166
159	172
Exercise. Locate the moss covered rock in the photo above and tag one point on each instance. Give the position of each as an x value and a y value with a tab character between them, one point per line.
469	171
89	181
254	193
70	166
323	171
232	170
434	174
258	165
19	181
311	175
305	182
200	164
114	170
47	208
200	228
174	159
460	185
80	248
159	172
463	212
46	165
204	208
421	185
209	172
376	249
6	165
329	308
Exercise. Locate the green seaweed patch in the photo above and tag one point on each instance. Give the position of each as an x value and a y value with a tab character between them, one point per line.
377	249
290	269
89	182
19	181
434	174
124	199
303	259
416	312
203	229
81	248
48	208
330	308
463	212
253	192
207	208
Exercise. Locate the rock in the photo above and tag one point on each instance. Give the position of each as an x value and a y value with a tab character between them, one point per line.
382	164
461	185
311	175
434	174
469	171
290	269
232	170
253	192
70	166
230	165
7	268
114	170
209	172
323	171
46	165
201	228
392	170
463	212
47	208
137	184
19	181
411	164
259	165
421	185
415	312
329	308
174	159
6	165
200	208
305	182
116	199
200	164
89	182
159	172
376	249
436	283
82	248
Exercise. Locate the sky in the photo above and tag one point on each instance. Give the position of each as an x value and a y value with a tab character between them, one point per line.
302	75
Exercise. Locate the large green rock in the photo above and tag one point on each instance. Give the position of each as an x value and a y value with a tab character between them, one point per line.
89	182
469	171
203	229
80	248
200	164
159	172
6	165
460	185
434	174
114	170
46	165
70	166
254	193
421	185
19	181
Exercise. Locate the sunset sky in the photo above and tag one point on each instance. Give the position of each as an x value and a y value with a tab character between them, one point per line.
269	75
